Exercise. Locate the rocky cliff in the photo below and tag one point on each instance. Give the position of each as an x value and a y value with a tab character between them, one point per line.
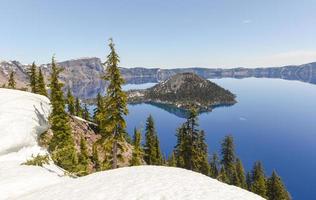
83	75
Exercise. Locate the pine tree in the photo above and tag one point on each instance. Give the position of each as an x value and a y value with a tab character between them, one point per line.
33	78
11	81
70	102
95	157
137	150
78	109
214	165
152	149
115	104
98	110
41	86
240	174
62	144
258	185
83	158
203	165
86	114
276	189
249	181
223	175
228	158
172	160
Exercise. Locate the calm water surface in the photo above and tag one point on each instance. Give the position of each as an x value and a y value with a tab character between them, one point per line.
274	121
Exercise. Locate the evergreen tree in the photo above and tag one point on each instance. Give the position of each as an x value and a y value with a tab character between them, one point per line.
41	86
11	81
214	165
228	158
86	114
223	175
203	165
240	174
78	109
258	185
62	144
137	150
115	105
98	110
33	78
191	149
152	149
83	158
70	102
172	160
249	181
276	189
95	157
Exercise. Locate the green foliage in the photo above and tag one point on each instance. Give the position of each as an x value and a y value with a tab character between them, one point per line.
95	157
83	159
62	144
85	113
152	149
33	77
137	150
214	166
115	104
38	160
172	160
240	172
223	175
276	189
258	185
99	110
228	158
11	81
191	149
70	102
78	109
41	86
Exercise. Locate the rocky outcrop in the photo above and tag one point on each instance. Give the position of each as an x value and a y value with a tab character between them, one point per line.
184	90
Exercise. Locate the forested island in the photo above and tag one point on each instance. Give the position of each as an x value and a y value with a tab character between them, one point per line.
183	91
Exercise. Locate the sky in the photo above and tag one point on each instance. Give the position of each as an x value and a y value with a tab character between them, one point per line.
161	33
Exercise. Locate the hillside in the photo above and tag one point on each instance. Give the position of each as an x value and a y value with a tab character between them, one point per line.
182	91
23	118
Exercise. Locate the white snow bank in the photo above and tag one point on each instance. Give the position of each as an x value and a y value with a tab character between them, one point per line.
143	183
23	116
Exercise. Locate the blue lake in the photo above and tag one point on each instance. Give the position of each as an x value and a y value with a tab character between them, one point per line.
274	121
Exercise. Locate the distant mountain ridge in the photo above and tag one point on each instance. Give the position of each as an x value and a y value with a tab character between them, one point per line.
83	75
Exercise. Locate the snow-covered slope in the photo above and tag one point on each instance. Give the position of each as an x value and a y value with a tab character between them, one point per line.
143	183
23	116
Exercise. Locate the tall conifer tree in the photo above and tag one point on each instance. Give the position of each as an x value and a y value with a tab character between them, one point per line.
62	143
258	185
240	172
228	158
152	149
33	77
115	104
276	189
214	166
137	149
70	102
41	86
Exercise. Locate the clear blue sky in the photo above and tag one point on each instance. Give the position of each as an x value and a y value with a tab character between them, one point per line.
161	33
